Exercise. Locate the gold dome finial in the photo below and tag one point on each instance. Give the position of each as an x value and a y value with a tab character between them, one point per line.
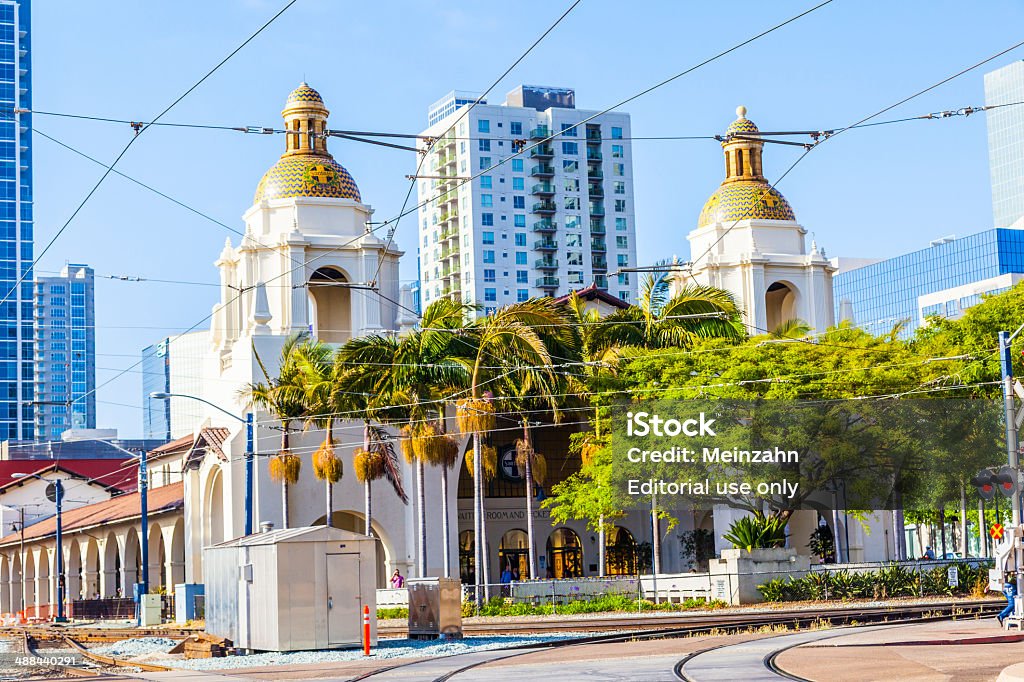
741	111
306	169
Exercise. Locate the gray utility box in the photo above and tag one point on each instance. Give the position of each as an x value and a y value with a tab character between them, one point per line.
294	589
435	608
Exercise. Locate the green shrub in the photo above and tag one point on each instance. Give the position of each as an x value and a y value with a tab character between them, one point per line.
888	582
757	532
392	612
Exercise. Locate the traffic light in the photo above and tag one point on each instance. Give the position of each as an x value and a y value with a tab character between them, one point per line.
985	483
1005	481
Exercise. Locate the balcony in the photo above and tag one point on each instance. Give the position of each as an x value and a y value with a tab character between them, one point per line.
540	133
596	210
597	246
544	226
446	216
543	189
542	152
546	264
545	245
601	281
597	228
547	282
593	135
453	233
599	262
450	251
542	171
595	174
544	207
594	155
595	190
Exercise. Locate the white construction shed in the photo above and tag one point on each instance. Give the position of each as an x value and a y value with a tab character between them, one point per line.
292	589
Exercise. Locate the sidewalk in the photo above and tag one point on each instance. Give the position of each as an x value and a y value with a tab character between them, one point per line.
968	650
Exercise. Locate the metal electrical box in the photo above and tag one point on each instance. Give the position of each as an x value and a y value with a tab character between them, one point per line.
149	610
435	608
292	589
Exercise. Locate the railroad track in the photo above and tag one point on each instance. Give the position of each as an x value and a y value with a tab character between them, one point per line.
449	667
87	635
91	665
768	662
661	622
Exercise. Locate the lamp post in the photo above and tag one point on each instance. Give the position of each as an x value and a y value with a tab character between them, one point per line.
249	447
58	496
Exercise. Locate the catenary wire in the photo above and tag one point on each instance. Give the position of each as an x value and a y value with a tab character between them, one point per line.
128	146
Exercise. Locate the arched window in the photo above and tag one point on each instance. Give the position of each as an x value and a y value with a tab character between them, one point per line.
565	554
514	553
467	558
620	552
330	306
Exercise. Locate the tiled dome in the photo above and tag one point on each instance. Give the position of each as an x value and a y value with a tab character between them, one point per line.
307	175
303	94
742	125
745	200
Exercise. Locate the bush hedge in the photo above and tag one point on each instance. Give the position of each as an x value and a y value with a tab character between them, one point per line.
894	580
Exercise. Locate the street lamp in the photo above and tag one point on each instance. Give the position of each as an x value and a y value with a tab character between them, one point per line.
58	496
249	450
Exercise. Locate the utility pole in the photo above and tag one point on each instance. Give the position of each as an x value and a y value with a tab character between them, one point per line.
1006	365
58	493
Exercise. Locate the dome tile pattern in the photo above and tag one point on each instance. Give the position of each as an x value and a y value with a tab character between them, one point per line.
307	176
742	126
303	94
745	200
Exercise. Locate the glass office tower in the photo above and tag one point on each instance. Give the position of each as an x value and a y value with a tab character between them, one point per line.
16	340
65	324
1006	142
944	279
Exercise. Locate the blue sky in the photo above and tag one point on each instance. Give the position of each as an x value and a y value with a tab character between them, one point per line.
876	192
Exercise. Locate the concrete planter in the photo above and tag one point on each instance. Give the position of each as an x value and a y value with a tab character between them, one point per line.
737	573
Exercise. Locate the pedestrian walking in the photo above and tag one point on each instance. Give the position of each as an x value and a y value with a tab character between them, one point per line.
1010	590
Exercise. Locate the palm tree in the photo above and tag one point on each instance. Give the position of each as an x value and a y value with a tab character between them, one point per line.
508	342
376	459
319	381
415	370
663	321
284	397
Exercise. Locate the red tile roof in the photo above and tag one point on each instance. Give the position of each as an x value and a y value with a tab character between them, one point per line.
591	293
117	475
166	498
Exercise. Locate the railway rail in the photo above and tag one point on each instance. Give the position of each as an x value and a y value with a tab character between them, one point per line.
662	622
92	665
457	664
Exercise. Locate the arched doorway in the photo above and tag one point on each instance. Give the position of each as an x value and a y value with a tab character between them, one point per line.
514	553
354	522
467	559
132	565
620	552
72	572
330	306
213	530
111	580
177	558
780	305
30	581
157	559
565	554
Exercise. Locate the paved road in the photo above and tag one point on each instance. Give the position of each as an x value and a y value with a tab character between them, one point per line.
746	661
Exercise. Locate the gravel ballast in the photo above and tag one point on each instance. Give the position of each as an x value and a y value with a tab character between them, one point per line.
389	648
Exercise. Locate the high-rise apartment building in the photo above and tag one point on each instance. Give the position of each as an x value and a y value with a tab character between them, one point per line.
16	370
943	280
555	218
174	365
1006	142
65	335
